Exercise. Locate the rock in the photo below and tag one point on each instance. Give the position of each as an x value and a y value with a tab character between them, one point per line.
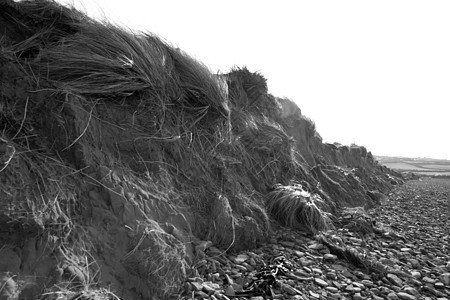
316	246
411	291
357	296
320	282
392	296
317	271
439	285
427	279
197	286
299	253
445	278
332	289
241	258
237	287
394	279
330	257
314	295
433	291
416	274
349	275
367	283
209	287
229	291
350	288
405	296
289	289
257	298
201	295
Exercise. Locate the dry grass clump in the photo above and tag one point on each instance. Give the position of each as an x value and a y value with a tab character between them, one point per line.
246	88
292	206
87	57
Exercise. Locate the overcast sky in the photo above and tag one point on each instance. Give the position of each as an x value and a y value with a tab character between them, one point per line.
374	73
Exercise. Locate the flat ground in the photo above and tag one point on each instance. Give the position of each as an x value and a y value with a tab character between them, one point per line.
400	250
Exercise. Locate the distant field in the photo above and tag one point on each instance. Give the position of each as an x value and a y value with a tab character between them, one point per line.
440	167
423	166
432	173
402	166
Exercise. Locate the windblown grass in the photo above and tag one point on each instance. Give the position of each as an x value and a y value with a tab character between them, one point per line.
91	58
292	206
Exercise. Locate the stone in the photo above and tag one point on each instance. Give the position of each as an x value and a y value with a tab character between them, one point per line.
197	286
332	289
257	298
209	287
411	291
317	271
330	257
241	258
427	279
392	296
433	291
350	288
405	296
394	279
299	253
439	285
314	295
290	290
347	274
316	246
368	283
445	278
320	282
357	296
416	274
229	291
201	295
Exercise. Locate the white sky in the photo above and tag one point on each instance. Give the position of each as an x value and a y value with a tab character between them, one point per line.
376	73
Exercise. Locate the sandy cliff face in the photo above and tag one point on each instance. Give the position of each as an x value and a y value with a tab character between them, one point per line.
120	155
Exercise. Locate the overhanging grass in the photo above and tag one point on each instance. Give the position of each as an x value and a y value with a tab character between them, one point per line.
292	206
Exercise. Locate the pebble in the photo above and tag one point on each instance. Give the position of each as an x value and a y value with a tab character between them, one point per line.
392	296
428	280
315	246
314	295
411	291
405	296
321	282
394	279
330	257
445	278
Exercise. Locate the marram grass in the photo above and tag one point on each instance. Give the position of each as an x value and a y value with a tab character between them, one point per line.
292	206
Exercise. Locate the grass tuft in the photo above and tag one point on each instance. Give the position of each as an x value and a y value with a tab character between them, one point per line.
292	206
